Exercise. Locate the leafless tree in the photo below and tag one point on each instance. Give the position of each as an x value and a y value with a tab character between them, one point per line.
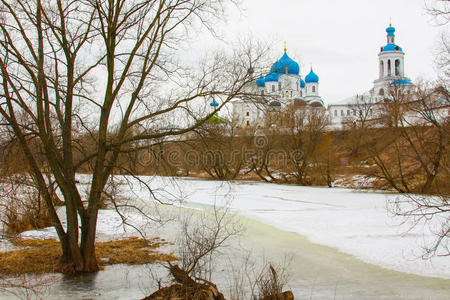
305	135
218	149
440	11
363	116
433	211
201	238
260	280
325	160
412	147
104	69
269	159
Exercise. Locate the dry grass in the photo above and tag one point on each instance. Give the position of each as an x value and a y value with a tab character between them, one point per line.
42	256
17	222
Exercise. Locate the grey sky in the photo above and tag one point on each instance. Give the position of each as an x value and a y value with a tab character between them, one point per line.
341	38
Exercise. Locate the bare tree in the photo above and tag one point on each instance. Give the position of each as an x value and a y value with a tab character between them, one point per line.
306	133
411	148
104	69
260	280
440	11
269	158
201	238
433	211
218	149
364	116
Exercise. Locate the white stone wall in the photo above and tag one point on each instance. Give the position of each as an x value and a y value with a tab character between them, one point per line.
247	114
312	89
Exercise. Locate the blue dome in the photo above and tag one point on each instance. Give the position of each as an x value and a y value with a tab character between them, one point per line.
272	77
285	62
390	31
302	83
392	47
312	77
260	81
214	103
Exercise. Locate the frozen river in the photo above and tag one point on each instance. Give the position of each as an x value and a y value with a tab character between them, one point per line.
354	222
344	243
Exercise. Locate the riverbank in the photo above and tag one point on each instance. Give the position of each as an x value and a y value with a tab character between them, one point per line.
316	271
343	242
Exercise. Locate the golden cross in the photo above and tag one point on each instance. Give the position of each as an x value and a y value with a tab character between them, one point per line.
390	21
285	46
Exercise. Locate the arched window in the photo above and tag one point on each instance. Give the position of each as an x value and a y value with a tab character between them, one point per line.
381	68
279	86
397	67
389	67
313	89
297	85
301	93
291	94
262	92
335	112
381	92
273	88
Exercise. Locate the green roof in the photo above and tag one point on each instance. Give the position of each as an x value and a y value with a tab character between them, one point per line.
215	120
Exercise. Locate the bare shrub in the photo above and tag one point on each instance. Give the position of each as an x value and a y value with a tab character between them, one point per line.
201	238
270	283
25	209
411	150
432	211
258	280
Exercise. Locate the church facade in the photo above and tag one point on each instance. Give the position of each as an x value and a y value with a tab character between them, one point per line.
284	87
281	88
391	61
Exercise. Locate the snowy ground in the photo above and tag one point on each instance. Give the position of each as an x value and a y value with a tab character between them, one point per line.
354	222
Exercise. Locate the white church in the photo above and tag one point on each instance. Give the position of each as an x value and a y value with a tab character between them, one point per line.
391	74
284	86
281	87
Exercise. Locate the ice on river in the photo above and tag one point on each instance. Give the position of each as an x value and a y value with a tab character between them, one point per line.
353	221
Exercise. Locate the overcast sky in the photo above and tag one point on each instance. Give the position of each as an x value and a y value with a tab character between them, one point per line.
341	38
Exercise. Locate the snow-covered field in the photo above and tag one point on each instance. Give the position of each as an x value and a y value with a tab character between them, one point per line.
354	222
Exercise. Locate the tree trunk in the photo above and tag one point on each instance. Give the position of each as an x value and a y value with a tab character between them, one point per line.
81	258
71	260
87	247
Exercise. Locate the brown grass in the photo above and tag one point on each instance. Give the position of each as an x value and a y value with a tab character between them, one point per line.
31	219
42	256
